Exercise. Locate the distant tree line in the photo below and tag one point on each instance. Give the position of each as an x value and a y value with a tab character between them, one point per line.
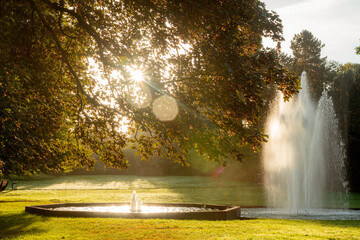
247	170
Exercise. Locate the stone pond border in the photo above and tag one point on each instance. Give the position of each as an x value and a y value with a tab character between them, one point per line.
224	212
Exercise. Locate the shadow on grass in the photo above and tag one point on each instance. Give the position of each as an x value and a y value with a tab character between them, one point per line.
16	225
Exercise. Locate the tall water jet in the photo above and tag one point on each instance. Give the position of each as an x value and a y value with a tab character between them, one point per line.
304	158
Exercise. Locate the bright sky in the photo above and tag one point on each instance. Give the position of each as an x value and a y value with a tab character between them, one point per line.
336	23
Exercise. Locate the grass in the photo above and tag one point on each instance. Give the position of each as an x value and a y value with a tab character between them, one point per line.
16	224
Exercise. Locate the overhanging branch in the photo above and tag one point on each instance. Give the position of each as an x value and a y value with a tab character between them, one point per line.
65	58
90	30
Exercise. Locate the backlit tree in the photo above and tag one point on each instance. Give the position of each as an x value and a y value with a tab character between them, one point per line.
181	74
307	57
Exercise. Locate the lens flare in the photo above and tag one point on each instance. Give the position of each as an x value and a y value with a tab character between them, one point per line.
137	75
165	108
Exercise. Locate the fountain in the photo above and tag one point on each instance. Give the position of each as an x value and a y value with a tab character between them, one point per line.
135	203
304	160
136	209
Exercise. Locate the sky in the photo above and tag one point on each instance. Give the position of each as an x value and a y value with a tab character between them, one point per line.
336	23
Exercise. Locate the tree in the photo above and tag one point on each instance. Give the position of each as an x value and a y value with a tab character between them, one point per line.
354	129
203	59
344	91
353	137
36	103
307	57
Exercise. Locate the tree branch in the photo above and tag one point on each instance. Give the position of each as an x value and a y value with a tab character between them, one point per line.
91	31
64	55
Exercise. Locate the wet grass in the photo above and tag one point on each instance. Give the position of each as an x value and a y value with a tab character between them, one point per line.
16	224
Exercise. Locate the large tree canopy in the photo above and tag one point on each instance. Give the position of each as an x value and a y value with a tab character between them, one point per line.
204	75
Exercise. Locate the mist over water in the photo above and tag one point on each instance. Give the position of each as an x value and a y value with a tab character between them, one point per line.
304	158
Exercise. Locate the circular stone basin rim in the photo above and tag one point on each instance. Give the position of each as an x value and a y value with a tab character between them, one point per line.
220	212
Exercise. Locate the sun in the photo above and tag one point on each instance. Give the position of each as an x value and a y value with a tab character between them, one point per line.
137	75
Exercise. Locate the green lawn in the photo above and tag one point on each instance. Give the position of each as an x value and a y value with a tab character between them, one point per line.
16	224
